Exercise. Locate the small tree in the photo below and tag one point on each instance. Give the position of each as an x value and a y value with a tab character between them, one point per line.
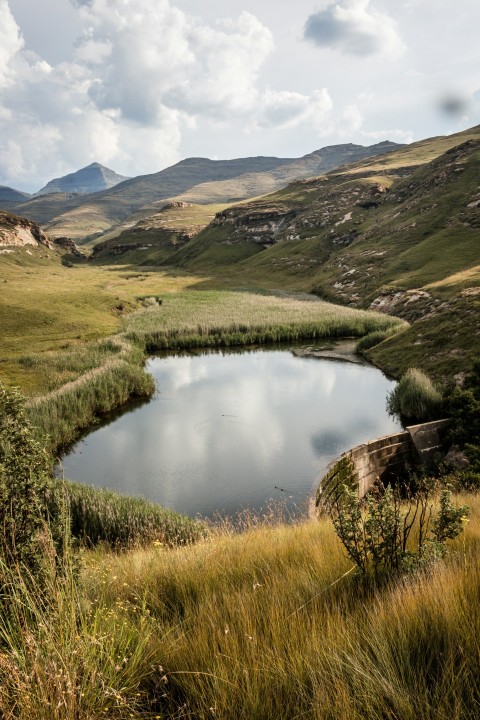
31	517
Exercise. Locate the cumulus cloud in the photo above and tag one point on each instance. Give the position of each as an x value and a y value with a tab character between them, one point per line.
142	71
289	109
354	27
11	42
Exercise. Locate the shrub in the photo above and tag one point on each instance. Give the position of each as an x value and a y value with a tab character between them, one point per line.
463	407
376	531
31	517
415	398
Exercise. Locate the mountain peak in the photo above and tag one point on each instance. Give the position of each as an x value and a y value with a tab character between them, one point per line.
90	179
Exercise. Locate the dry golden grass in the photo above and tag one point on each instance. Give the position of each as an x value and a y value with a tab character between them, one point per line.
271	624
267	624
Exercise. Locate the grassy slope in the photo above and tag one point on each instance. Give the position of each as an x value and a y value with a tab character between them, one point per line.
46	307
265	625
274	639
153	239
415	233
358	235
196	179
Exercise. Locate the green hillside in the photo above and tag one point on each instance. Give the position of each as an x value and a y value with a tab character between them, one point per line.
153	239
197	180
406	241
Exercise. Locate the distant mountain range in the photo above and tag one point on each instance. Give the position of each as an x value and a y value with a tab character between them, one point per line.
397	230
197	180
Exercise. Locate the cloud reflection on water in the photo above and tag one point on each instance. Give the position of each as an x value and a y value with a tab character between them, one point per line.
224	430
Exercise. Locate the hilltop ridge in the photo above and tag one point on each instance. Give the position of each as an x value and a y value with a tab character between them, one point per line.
195	180
91	179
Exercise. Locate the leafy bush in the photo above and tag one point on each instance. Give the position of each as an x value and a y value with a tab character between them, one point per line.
376	530
31	517
463	407
415	398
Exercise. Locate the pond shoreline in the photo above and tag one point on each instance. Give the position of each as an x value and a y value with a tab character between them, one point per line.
228	430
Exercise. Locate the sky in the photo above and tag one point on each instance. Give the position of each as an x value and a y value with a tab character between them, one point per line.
138	85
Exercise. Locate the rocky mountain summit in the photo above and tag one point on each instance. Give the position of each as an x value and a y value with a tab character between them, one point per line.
91	179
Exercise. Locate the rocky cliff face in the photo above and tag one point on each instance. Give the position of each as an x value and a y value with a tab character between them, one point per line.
16	232
262	224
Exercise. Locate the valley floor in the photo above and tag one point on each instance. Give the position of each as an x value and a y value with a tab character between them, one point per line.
269	624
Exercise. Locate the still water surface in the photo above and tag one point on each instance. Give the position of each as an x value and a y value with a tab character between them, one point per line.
226	431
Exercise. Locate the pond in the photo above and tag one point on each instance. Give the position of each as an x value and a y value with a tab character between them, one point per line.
232	430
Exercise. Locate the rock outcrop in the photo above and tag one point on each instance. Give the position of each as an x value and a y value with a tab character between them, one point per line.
260	224
69	246
18	232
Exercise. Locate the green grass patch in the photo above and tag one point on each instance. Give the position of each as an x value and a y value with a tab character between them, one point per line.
415	398
46	308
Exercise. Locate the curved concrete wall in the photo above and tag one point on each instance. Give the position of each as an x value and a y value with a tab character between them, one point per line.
387	458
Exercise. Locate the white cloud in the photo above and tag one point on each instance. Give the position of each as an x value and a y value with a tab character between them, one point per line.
352	119
289	109
141	72
354	27
11	42
226	61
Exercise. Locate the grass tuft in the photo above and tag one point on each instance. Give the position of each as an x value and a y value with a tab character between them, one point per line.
415	398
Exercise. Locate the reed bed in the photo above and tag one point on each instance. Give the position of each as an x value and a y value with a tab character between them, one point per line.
267	624
60	416
119	521
222	318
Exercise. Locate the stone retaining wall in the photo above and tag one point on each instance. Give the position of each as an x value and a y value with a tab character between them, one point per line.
387	458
